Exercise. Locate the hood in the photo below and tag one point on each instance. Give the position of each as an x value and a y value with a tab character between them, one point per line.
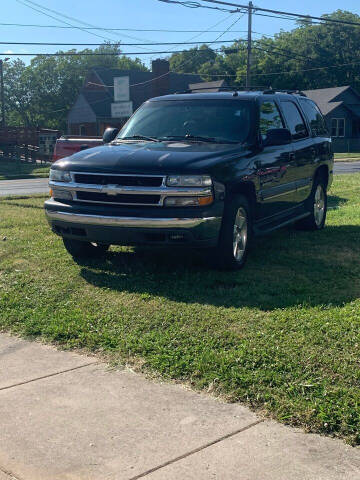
150	158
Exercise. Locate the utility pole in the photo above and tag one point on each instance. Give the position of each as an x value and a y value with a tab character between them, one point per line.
2	95
2	91
248	64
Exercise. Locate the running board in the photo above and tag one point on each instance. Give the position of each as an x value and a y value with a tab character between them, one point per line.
270	227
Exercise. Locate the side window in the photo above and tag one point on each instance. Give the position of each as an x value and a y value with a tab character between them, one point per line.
316	120
338	127
294	120
269	117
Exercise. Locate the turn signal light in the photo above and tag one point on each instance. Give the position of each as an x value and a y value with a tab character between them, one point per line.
205	200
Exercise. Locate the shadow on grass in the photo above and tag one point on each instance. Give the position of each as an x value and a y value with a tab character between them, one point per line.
286	269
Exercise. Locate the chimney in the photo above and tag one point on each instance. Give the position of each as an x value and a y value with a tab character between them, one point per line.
160	86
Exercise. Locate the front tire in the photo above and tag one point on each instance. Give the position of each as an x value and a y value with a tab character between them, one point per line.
79	249
235	235
317	206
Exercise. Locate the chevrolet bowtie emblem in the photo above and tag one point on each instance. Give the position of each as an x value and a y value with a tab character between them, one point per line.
110	189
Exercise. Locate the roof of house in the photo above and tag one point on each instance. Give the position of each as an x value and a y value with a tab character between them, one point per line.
208	86
322	95
327	99
141	87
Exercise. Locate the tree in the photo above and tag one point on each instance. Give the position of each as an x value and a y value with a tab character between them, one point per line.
42	93
311	56
190	61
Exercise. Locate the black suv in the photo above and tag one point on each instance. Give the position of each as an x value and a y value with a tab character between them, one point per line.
204	170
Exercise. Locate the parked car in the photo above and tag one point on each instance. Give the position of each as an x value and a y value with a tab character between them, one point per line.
66	145
204	170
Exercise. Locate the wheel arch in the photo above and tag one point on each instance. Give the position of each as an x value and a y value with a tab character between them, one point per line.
323	172
244	188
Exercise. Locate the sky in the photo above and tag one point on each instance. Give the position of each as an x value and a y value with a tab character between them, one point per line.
142	14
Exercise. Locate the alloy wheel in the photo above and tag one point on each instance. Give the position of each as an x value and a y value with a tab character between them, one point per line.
240	234
319	205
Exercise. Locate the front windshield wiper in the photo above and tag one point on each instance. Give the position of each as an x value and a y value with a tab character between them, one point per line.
140	137
196	138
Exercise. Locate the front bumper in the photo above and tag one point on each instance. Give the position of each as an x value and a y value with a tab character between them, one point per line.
124	229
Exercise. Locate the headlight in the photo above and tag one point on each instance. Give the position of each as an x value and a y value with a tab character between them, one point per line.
59	176
188	181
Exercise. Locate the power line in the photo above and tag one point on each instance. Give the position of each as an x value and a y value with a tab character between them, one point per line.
79	54
118	44
183	63
194	5
63	21
30	25
31	4
229	28
279	12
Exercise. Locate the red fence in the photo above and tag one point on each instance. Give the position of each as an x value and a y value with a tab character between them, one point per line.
28	144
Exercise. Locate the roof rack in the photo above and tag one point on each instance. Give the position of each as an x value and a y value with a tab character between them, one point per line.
233	88
271	91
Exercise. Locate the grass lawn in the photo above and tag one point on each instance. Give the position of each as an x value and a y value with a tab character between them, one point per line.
282	336
11	170
347	157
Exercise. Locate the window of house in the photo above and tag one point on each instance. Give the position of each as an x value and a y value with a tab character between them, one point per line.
269	118
313	114
82	130
294	120
356	128
338	127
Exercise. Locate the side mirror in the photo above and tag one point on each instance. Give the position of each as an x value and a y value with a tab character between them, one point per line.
110	134
277	136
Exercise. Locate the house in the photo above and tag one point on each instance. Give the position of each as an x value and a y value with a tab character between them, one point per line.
110	96
341	109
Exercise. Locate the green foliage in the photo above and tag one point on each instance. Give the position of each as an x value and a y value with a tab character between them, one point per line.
299	52
41	94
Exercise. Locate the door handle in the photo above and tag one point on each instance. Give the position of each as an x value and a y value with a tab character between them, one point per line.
313	152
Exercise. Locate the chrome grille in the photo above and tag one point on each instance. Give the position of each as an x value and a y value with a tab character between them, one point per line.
99	197
122	180
123	189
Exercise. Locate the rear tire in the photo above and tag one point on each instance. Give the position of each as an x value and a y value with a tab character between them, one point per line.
235	235
317	207
79	249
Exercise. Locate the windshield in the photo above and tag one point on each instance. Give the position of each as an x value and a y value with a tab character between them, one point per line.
222	121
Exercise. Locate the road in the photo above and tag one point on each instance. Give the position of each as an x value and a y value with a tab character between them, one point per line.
40	185
347	167
24	186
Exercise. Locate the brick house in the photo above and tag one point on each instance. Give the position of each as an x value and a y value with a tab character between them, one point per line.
109	96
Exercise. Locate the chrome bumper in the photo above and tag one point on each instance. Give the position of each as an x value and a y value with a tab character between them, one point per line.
128	222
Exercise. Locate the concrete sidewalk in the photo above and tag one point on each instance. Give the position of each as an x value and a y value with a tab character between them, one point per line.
66	416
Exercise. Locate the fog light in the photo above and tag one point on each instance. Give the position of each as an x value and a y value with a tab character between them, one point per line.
188	201
181	202
61	194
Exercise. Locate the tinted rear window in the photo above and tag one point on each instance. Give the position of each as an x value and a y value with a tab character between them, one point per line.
294	120
314	116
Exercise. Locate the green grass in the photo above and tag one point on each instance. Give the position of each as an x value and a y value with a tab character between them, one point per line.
282	336
11	170
347	157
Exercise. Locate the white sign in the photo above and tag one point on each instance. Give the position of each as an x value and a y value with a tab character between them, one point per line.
121	89
121	110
